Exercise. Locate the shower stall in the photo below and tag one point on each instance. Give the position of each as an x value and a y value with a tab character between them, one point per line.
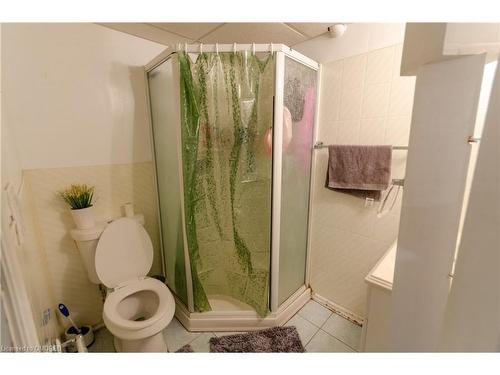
232	129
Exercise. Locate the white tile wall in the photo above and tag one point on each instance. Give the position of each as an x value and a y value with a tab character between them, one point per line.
359	38
363	101
379	65
37	276
115	185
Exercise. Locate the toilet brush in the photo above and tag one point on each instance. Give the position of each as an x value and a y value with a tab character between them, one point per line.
65	311
82	336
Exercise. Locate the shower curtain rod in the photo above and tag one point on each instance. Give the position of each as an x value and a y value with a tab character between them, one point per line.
234	47
237	47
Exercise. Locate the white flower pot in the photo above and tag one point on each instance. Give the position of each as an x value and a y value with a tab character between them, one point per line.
84	217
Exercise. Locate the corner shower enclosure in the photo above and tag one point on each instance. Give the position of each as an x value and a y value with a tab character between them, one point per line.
233	129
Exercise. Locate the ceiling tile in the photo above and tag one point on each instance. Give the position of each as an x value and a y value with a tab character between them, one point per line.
146	31
188	30
254	33
311	30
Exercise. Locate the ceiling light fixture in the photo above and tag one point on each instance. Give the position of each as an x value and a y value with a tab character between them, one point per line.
337	30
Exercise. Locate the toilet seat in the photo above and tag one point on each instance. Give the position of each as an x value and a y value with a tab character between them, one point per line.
124	256
126	244
131	329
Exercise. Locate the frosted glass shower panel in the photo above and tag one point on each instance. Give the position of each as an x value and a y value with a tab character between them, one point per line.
298	124
163	92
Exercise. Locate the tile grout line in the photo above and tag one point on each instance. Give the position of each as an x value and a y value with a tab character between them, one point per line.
342	341
331	312
314	324
338	339
315	333
321	329
329	316
197	336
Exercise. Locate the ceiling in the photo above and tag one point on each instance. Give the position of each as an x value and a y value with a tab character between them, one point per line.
169	33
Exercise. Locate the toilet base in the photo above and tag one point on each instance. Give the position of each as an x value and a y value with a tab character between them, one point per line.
153	344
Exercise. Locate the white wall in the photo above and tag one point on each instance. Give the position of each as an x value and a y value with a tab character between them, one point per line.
32	260
423	44
430	42
75	94
75	112
363	101
472	38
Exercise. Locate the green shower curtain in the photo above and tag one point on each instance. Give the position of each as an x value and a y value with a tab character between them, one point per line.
226	120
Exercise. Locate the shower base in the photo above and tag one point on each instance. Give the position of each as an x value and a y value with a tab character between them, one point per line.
229	314
226	303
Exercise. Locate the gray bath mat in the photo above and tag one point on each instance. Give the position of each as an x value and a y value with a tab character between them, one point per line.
272	340
185	349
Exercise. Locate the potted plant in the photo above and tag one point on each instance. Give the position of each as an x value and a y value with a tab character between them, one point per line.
79	198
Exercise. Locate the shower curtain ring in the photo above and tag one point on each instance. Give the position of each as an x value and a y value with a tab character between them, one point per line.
253	49
272	49
217	48
234	48
185	47
201	47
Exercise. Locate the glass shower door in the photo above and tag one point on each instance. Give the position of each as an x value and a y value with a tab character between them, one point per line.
164	92
299	100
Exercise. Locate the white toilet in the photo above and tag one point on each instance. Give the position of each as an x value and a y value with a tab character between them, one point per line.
138	307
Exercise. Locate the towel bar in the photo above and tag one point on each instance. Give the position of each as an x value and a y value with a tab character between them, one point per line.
319	145
470	139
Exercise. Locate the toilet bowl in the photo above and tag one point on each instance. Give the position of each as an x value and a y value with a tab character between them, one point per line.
137	308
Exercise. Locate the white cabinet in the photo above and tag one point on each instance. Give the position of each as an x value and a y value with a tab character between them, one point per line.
379	281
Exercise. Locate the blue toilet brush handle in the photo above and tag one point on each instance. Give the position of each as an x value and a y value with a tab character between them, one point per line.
65	311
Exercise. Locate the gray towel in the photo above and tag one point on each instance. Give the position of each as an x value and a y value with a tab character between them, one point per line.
363	171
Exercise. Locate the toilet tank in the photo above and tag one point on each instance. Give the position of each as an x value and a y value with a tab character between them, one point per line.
86	241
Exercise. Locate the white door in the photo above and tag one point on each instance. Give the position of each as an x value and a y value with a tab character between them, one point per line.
472	320
444	113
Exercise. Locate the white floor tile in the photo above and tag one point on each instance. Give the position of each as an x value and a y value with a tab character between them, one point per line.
176	336
304	327
322	342
343	330
337	334
201	343
103	342
315	313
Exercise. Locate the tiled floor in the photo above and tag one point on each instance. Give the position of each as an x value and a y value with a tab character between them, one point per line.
320	330
103	342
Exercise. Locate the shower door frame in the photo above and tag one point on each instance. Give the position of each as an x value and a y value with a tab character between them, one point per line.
279	314
287	52
158	60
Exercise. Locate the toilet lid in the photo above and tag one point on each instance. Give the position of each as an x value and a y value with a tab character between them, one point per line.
124	252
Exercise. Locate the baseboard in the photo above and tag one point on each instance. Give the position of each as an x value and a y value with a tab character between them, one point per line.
342	311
